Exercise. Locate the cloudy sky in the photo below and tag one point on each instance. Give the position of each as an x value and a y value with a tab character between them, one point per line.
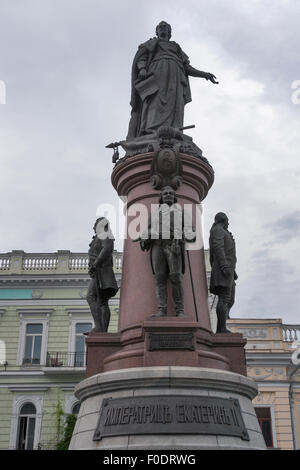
66	66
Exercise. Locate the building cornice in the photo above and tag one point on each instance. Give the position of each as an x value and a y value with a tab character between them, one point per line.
269	358
25	303
48	280
22	373
30	311
28	388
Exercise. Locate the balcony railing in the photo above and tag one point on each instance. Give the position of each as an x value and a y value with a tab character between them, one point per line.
38	263
4	263
78	261
291	332
66	359
63	261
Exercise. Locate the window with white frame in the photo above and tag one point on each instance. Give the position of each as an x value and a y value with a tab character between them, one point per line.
33	343
33	337
26	427
26	421
80	347
81	322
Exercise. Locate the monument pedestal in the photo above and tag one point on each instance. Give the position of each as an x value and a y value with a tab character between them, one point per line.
167	341
167	408
168	382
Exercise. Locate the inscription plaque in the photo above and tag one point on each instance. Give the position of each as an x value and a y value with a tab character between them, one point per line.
170	415
171	341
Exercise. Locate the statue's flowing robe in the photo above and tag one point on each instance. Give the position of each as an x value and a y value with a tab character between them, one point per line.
163	105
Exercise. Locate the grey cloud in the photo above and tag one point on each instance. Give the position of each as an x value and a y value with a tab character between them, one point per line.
287	227
271	291
67	65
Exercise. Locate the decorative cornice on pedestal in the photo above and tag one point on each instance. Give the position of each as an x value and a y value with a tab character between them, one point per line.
142	377
134	171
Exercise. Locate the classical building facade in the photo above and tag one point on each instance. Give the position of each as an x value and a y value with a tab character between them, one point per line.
43	318
272	361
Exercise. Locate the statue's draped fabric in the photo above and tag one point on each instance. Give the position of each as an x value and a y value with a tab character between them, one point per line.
160	98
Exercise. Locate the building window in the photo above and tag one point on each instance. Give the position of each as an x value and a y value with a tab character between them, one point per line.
75	408
80	348
33	343
33	336
26	421
265	422
26	427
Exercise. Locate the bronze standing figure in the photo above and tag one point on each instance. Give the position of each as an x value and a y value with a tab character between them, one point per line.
103	284
223	263
169	227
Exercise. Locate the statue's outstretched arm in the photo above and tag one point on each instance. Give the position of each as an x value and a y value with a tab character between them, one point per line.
198	73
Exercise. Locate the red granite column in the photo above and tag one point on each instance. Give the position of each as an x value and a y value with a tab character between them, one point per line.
142	340
137	298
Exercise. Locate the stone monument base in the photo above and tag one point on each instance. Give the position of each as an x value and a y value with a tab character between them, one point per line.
167	408
166	341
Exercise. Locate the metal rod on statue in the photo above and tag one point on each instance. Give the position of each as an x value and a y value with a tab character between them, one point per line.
187	127
213	303
192	282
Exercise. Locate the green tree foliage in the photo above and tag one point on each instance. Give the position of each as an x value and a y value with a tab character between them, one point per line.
64	443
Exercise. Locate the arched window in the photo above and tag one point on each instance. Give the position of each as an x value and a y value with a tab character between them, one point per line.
75	408
26	427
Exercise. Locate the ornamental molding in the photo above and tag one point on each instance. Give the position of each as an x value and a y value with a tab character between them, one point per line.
75	312
50	278
37	294
264	373
29	388
33	283
27	312
42	302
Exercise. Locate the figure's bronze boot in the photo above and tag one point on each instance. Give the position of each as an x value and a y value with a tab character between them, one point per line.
160	313
161	295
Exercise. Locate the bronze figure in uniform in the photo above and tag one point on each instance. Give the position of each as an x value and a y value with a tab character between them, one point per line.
103	284
168	229
223	263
